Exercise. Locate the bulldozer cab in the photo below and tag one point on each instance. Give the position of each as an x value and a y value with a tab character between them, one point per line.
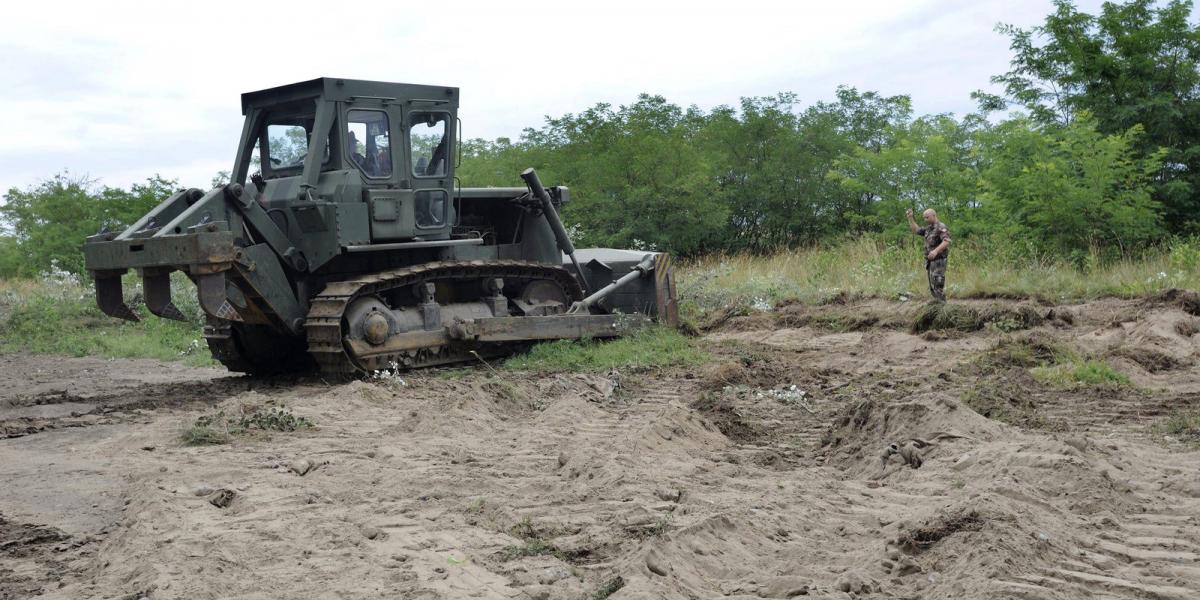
388	145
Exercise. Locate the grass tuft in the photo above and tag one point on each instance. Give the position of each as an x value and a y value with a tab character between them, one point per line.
1184	425
203	433
608	588
1075	372
1029	350
650	347
221	428
937	316
944	316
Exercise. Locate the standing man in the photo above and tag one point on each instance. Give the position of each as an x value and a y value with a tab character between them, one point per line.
937	247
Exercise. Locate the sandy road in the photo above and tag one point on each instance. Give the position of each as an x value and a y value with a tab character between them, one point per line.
717	481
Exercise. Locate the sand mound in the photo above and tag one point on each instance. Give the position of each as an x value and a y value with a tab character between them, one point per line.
861	435
1158	342
1187	300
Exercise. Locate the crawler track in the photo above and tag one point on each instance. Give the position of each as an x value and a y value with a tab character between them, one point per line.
324	325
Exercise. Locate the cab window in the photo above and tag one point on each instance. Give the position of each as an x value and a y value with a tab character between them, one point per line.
368	143
431	208
287	144
427	135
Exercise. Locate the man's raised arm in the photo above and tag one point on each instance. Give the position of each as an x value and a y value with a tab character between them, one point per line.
912	224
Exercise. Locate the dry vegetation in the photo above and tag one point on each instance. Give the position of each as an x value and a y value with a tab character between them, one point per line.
870	267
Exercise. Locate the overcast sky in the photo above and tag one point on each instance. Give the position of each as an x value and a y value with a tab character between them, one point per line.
120	91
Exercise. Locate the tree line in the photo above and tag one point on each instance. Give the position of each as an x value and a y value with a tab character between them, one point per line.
1092	147
1094	143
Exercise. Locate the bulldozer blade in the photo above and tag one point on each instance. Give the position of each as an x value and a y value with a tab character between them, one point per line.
213	298
110	300
157	288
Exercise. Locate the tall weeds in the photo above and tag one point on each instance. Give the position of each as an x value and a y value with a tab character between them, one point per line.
872	267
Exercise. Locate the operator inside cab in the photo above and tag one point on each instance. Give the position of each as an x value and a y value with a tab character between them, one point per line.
367	142
352	145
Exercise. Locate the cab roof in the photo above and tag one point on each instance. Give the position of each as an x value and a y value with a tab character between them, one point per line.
333	88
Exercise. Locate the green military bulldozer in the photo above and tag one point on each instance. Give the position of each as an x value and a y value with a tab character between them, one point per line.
353	248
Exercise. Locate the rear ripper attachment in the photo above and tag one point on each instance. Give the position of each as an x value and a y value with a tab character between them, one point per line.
356	251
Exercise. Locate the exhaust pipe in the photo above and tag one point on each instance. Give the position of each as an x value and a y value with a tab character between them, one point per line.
560	232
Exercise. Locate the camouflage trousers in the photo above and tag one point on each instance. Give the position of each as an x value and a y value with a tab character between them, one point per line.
936	270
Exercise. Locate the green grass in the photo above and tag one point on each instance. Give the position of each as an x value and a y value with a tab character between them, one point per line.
1078	371
1050	362
59	316
650	347
871	267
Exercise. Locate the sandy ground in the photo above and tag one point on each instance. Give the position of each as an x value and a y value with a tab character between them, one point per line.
717	481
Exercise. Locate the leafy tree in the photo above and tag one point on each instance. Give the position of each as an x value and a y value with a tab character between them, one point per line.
637	174
653	173
11	261
760	177
49	221
933	162
496	163
1136	63
860	120
640	176
1073	190
221	178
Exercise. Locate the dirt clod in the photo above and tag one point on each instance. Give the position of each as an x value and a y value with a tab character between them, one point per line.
722	412
722	374
855	581
655	564
922	537
301	466
1188	300
222	498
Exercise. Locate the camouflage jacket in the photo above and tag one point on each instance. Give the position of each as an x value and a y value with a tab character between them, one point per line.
934	236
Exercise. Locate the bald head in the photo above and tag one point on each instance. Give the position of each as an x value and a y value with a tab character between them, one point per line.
930	216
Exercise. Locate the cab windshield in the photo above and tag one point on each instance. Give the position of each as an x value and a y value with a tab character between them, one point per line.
287	144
